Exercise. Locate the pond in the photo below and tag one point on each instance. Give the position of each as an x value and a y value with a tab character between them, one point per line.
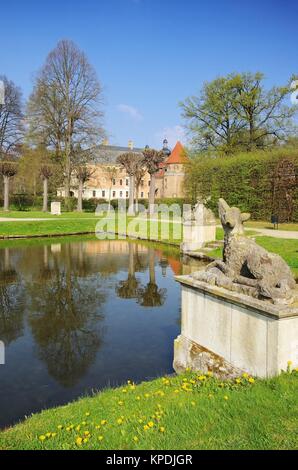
77	316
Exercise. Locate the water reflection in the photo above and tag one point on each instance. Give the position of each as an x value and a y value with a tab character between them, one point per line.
69	335
74	317
151	295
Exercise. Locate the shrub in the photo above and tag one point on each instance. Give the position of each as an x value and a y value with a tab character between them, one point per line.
262	183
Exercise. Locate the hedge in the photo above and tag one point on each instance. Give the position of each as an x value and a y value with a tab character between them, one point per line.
262	183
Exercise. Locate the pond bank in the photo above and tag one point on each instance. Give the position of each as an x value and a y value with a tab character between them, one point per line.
181	412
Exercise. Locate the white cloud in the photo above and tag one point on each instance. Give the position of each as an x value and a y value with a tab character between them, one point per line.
131	111
173	134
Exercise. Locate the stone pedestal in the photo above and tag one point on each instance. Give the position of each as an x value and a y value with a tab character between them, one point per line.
230	333
199	227
56	208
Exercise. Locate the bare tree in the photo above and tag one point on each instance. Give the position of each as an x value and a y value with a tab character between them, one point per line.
45	173
8	170
11	118
83	175
139	175
65	106
131	162
152	160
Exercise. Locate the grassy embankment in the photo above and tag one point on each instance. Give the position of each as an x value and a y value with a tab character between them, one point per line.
179	412
74	223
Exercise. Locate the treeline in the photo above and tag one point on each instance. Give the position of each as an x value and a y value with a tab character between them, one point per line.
264	183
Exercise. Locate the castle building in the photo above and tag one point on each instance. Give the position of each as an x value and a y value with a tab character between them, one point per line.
110	181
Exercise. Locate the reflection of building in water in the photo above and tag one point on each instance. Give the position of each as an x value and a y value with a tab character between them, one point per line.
110	246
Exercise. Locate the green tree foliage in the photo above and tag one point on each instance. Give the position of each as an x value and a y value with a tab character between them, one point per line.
236	113
262	183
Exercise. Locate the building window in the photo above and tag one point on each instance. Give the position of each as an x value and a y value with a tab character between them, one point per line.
114	193
121	182
126	193
142	195
142	183
127	182
121	193
103	193
114	181
94	193
149	183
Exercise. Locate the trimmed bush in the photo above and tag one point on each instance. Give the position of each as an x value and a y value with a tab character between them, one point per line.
262	183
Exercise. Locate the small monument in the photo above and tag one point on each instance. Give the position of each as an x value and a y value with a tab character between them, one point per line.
56	208
199	227
239	313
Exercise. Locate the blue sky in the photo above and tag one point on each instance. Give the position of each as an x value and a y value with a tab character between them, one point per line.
151	54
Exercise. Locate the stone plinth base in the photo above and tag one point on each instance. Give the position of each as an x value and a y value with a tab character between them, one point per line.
195	236
56	208
230	332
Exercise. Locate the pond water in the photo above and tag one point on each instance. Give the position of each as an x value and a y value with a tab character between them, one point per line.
79	316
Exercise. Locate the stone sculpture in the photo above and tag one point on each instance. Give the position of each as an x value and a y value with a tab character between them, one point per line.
248	268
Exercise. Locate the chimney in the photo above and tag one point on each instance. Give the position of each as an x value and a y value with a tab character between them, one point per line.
130	144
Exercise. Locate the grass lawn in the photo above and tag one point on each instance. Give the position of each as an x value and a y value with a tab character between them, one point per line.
179	412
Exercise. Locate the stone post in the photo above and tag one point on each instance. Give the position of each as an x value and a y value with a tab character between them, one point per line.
199	227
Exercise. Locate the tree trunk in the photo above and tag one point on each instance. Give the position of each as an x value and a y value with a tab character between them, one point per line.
80	197
131	210
152	195
110	195
137	200
45	195
6	193
152	279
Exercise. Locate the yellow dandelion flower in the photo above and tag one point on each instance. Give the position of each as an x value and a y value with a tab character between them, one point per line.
120	403
192	382
48	434
79	441
162	429
151	424
146	427
87	433
147	395
290	363
78	428
202	378
209	373
87	414
136	439
238	381
176	391
100	438
54	434
103	422
84	423
97	427
226	397
251	380
185	380
124	390
85	440
119	421
60	427
245	375
138	398
42	438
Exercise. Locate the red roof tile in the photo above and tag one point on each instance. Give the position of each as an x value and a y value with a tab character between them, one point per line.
178	155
